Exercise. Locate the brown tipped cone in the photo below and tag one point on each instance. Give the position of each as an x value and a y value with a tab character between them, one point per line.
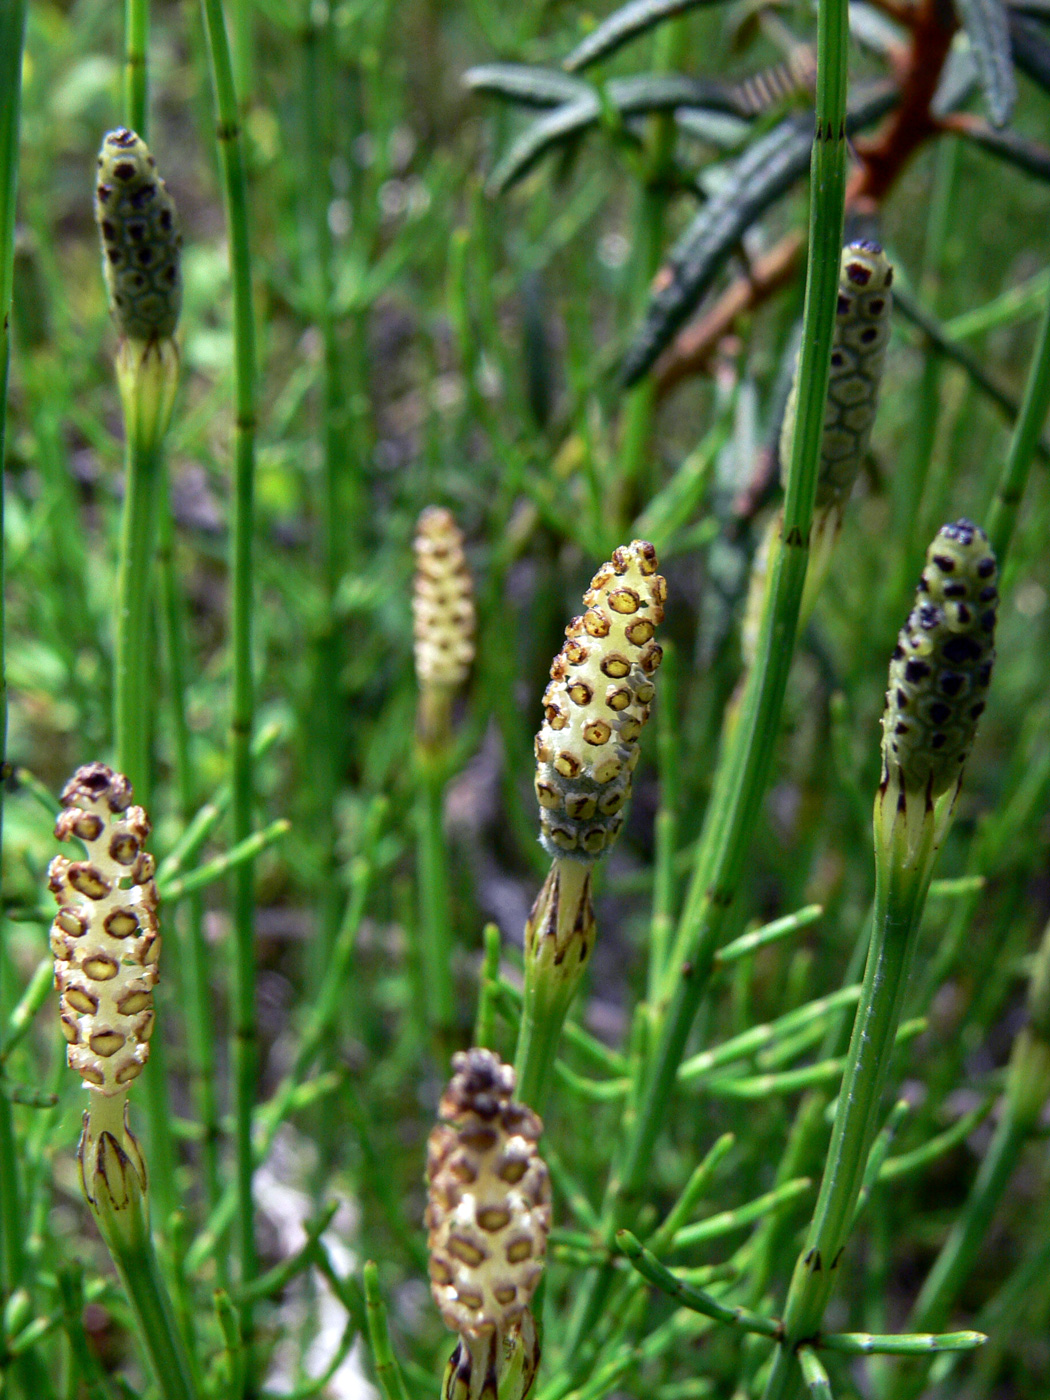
596	705
488	1211
104	937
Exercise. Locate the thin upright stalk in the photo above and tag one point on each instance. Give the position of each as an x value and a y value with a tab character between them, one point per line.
136	73
1002	518
744	769
746	763
235	190
900	895
12	38
133	688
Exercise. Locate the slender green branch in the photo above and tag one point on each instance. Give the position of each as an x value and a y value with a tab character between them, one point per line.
247	850
661	1277
388	1372
907	1344
814	1375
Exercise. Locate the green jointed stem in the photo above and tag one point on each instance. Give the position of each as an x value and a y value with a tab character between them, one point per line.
745	765
744	769
12	37
695	1299
235	192
388	1372
1027	429
133	686
136	77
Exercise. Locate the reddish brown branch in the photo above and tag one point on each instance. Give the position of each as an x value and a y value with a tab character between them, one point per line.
691	351
882	159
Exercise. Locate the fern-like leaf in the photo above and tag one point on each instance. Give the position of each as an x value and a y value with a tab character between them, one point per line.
628	97
761	175
630	22
987	27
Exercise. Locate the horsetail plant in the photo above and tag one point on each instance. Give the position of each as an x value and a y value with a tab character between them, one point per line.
938	679
141	263
488	1217
106	947
443	631
595	707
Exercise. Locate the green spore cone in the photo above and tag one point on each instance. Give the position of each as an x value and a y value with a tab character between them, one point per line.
942	663
862	330
140	237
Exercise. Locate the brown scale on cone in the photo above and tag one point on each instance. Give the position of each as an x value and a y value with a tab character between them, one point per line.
104	937
442	602
488	1212
596	705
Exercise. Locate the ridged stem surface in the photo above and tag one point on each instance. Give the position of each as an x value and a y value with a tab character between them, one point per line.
136	73
136	1263
245	1050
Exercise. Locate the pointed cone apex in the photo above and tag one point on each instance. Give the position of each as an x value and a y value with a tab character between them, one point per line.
942	665
596	705
488	1212
104	937
140	239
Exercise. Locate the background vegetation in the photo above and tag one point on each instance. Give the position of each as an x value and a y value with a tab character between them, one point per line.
424	338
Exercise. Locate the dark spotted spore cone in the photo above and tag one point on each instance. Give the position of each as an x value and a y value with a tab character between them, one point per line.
140	239
942	663
596	705
488	1212
862	330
